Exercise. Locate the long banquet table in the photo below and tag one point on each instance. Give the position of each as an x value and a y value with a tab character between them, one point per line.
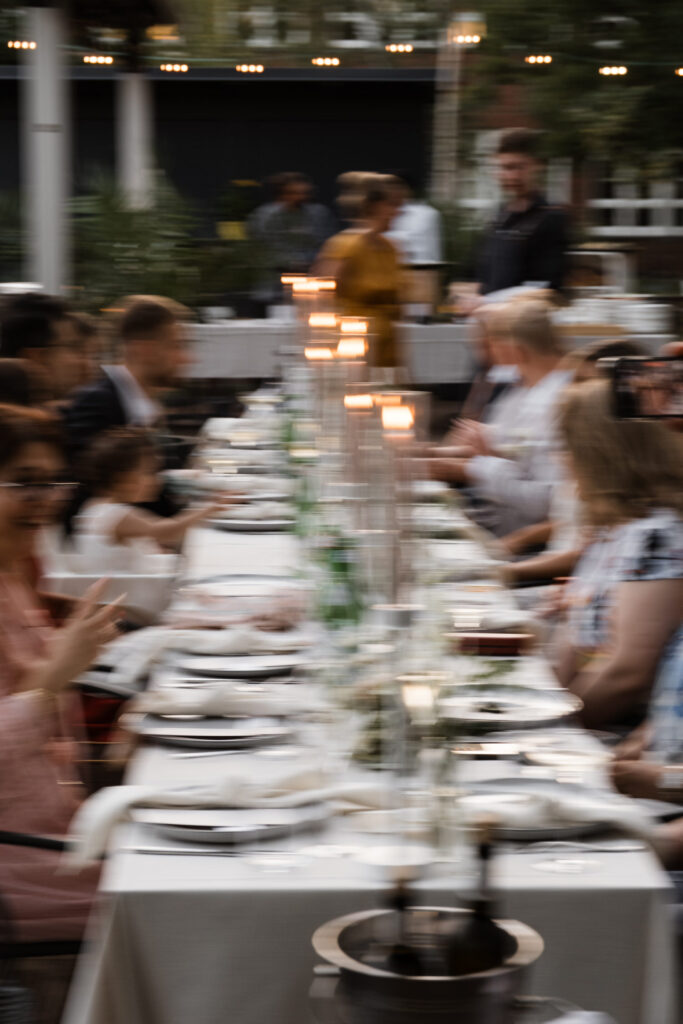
227	938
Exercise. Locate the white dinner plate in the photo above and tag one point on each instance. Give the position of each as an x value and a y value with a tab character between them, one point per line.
247	585
200	641
251	525
217	733
259	666
492	708
231	826
485	795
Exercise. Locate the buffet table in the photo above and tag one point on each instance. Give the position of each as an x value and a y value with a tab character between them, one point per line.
228	938
436	353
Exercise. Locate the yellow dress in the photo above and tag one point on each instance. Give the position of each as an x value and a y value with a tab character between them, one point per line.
368	285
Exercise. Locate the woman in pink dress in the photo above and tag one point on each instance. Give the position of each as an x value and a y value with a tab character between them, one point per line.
38	788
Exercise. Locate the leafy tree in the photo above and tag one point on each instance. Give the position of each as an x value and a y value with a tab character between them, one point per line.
587	114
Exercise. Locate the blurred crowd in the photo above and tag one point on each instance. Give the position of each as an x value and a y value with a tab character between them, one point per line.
585	508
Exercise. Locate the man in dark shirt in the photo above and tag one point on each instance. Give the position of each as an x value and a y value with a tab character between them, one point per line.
528	239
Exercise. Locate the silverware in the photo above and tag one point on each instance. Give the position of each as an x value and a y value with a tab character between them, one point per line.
213	753
201	851
568	846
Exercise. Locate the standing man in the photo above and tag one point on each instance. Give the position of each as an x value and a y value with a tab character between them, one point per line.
417	228
528	239
292	230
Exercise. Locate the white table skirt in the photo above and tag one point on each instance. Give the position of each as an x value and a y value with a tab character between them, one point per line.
216	940
436	353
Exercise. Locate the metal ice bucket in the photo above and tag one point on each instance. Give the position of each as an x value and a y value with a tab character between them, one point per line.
372	994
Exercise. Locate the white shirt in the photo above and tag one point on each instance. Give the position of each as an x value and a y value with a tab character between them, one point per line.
521	479
416	230
140	410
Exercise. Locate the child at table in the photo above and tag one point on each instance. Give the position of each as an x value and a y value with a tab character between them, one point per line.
110	533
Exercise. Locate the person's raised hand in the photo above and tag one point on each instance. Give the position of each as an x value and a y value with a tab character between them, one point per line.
76	645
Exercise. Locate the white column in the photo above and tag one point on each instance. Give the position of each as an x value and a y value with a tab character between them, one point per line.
444	181
134	139
46	163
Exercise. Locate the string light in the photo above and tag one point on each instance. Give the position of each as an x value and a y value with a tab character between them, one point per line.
467	40
250	69
97	59
21	44
399	48
326	62
613	70
173	67
539	59
679	72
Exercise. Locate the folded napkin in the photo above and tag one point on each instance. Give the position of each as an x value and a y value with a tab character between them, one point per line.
124	663
239	642
257	510
94	821
517	809
229	699
504	620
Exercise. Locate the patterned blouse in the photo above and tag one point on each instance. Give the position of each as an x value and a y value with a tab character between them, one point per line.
650	548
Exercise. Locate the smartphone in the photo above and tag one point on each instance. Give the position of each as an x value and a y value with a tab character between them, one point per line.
647	388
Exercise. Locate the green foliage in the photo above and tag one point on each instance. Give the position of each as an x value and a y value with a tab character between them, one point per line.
587	115
119	251
460	233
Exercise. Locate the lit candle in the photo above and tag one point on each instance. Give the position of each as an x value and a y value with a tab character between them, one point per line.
322	320
352	348
352	326
398	418
318	352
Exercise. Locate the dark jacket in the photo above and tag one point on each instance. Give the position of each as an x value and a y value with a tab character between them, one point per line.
526	246
94	408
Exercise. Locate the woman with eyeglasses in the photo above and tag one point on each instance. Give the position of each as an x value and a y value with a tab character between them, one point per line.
38	786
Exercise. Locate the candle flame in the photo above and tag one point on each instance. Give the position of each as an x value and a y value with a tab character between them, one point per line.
398	417
386	398
351	348
358	402
322	320
316	354
354	326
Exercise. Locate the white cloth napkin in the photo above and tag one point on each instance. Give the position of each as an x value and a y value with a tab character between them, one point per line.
257	510
536	809
94	821
229	699
239	642
127	660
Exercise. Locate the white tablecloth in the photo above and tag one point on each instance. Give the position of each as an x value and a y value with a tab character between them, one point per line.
437	353
217	939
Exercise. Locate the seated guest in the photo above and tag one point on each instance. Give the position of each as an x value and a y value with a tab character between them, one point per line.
510	465
625	599
562	535
37	665
40	330
121	470
154	353
649	763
